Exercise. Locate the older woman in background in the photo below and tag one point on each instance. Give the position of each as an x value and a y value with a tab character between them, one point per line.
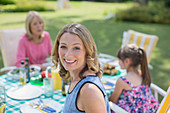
35	44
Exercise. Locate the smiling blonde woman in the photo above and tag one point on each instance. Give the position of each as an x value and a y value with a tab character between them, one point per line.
75	52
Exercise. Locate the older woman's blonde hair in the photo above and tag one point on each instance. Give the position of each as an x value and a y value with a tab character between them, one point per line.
30	16
82	32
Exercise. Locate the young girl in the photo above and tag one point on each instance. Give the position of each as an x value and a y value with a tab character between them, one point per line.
132	92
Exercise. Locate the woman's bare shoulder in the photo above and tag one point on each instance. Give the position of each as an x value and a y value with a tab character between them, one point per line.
92	99
89	87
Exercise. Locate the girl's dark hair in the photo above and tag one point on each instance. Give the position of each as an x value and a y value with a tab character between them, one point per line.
138	58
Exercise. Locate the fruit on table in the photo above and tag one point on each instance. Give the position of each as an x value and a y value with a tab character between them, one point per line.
43	74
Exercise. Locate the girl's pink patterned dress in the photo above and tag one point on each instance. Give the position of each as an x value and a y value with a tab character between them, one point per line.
138	100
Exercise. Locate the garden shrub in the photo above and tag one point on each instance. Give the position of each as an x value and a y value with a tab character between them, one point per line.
167	3
144	14
5	2
25	6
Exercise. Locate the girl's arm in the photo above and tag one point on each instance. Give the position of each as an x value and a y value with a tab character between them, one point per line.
117	91
91	99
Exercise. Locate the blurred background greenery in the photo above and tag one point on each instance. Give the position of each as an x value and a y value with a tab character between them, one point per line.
106	20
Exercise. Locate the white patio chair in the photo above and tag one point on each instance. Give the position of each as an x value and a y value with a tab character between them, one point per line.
9	39
116	108
157	90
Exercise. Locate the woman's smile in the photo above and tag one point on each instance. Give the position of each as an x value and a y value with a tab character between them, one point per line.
70	62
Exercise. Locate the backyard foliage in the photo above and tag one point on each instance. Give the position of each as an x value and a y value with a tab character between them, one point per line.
5	2
145	14
25	6
107	33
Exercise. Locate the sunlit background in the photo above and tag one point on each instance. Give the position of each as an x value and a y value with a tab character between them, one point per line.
106	20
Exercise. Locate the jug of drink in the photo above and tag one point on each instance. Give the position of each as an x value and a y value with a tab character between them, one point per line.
56	78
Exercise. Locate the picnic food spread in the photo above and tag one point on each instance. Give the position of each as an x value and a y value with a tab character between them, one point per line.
109	69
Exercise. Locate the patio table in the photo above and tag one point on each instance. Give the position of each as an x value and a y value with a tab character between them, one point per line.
13	105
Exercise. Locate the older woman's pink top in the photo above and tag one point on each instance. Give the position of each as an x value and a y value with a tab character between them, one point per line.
37	53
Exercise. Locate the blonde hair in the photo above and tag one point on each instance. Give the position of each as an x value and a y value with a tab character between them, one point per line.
30	16
138	57
82	32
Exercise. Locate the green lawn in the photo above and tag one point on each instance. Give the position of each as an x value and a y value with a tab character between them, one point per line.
107	33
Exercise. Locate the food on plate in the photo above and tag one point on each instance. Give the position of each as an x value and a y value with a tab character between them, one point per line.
109	69
108	66
110	72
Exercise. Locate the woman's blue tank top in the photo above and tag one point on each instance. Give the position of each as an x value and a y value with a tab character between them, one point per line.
70	105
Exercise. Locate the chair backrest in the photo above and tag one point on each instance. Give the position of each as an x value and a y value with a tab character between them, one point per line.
157	90
165	104
9	39
148	42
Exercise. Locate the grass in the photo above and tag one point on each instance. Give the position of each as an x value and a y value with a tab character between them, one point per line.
107	33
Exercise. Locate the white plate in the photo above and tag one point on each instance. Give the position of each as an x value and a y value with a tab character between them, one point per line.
26	108
25	92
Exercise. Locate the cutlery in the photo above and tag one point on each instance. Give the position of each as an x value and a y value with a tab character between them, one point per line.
45	107
38	107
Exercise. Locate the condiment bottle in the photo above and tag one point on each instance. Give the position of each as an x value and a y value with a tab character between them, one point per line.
65	85
22	74
27	69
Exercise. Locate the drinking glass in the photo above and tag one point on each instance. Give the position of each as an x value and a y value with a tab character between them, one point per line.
48	87
2	94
